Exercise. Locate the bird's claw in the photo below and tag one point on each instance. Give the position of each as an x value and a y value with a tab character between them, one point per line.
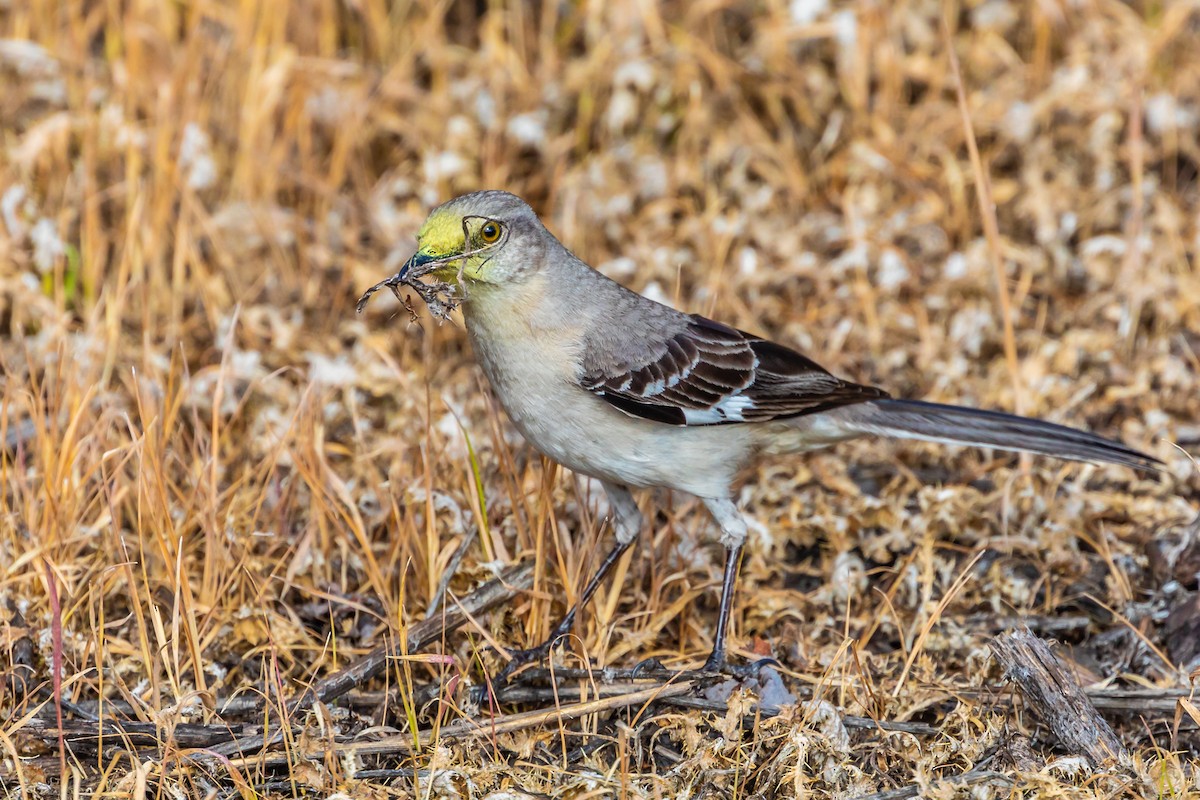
519	658
718	664
646	665
516	660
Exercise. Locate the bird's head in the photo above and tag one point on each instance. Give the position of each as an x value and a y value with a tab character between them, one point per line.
487	237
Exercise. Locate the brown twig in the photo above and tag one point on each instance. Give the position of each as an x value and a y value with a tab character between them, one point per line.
849	720
491	594
87	736
1144	703
494	726
1056	697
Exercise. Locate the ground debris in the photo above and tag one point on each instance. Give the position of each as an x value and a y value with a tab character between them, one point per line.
1057	698
440	297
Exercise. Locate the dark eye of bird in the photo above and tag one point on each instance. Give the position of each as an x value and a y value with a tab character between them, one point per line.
490	232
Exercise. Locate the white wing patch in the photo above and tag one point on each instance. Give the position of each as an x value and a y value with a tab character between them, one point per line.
729	409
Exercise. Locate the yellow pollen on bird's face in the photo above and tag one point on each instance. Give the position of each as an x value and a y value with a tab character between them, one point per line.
441	235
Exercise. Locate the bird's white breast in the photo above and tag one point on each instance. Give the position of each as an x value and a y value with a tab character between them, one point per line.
534	371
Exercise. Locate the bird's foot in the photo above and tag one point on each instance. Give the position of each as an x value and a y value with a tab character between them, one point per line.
519	658
648	668
718	664
713	671
516	660
719	667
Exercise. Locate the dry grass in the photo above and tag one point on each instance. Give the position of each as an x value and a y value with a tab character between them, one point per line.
233	485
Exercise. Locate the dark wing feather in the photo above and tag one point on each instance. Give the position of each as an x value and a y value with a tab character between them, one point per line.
711	374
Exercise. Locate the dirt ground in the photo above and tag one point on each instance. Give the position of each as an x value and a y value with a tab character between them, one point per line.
220	485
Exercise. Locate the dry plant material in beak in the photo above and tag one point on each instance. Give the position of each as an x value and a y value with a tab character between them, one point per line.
432	293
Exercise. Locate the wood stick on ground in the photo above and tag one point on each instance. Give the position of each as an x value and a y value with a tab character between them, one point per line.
495	726
491	594
545	694
1056	697
86	736
1144	703
1125	702
849	720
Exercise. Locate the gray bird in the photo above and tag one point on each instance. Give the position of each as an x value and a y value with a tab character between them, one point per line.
636	394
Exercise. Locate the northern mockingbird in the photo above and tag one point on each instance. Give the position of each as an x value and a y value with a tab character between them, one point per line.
616	386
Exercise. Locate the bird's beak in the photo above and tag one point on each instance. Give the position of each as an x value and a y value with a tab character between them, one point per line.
413	268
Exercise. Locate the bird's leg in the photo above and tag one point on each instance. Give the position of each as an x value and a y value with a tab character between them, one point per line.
627	522
717	659
521	657
733	537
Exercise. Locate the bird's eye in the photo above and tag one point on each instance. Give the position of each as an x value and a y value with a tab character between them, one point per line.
490	233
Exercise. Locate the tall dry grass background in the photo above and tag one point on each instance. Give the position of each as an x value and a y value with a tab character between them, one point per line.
222	482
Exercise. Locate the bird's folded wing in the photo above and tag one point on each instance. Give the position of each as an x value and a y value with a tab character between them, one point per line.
706	373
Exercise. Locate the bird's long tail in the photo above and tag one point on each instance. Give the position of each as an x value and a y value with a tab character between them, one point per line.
933	422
